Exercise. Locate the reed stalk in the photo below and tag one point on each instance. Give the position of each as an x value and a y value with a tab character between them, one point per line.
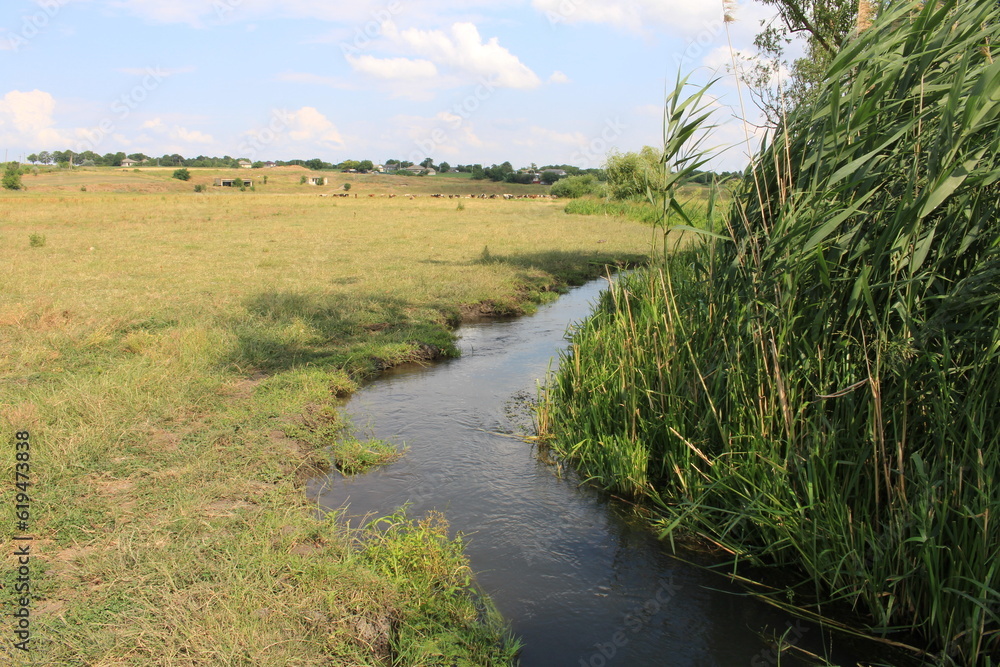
818	389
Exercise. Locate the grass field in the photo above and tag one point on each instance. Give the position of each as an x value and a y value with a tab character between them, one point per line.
178	359
280	180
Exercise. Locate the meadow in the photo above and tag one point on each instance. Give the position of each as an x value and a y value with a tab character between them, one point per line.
178	359
275	180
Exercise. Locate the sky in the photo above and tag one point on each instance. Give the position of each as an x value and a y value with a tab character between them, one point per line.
478	81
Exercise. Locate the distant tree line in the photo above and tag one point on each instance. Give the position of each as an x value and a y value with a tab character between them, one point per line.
627	172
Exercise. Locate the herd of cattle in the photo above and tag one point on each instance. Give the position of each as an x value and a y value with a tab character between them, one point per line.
479	196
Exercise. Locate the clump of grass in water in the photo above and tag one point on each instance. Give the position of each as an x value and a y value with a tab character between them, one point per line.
817	389
442	621
352	456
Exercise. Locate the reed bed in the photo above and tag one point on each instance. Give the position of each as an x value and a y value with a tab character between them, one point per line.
817	389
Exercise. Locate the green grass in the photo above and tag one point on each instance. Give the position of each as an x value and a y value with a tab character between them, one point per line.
694	199
178	359
817	390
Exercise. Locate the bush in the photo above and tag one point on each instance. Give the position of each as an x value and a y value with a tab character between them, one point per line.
200	187
347	186
632	175
36	240
573	187
12	177
182	174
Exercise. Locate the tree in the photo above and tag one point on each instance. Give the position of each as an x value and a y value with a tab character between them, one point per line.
522	177
428	163
576	186
45	157
182	174
630	174
444	167
12	176
32	158
825	24
478	173
499	173
315	164
366	165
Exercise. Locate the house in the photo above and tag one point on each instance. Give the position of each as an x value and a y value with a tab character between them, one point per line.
245	164
129	162
231	182
417	169
318	180
561	173
269	164
380	168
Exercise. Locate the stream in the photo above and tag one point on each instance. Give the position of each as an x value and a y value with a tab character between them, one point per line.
581	580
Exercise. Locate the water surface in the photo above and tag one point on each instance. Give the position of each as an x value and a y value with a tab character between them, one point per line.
581	580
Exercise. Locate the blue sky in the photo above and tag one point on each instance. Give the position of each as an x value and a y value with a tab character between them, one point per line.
529	81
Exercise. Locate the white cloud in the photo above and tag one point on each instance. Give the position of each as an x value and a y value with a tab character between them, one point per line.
190	136
158	71
308	124
26	119
205	13
543	136
635	15
464	51
315	79
650	110
558	77
393	68
29	112
176	132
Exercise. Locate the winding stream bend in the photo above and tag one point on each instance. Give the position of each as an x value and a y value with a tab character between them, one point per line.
581	581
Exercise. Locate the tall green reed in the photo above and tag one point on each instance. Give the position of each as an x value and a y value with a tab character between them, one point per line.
820	388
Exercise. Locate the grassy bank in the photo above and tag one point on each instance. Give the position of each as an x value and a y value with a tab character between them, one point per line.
178	360
818	390
694	199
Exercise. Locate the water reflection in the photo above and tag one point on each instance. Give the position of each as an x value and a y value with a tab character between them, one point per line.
581	581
